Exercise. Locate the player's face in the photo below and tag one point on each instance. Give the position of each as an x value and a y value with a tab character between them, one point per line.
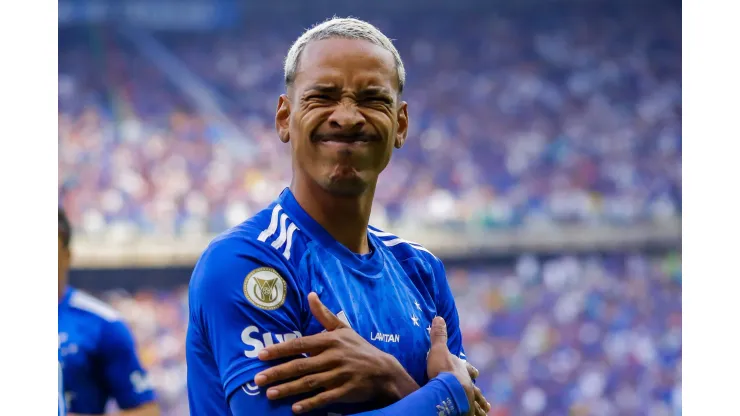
343	117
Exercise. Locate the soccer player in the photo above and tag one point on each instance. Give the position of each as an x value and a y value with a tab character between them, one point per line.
96	350
342	116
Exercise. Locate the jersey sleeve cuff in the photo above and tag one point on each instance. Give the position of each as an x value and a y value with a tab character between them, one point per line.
456	390
246	374
243	376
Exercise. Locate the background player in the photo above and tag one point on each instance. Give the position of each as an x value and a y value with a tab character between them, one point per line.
96	350
343	117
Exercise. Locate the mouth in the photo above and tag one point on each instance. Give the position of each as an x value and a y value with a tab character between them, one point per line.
357	139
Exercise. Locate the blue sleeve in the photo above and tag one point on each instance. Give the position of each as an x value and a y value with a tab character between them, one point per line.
250	400
446	308
243	297
125	378
443	395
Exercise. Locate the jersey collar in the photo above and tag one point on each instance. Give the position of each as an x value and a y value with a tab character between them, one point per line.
370	265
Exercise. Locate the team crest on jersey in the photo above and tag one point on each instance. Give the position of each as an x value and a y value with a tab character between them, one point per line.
265	288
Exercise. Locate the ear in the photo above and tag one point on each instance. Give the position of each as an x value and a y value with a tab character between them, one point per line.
402	117
282	118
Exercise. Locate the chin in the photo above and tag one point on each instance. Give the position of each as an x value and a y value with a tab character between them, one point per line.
345	186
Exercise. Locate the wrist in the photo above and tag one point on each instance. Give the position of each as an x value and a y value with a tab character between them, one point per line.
460	391
397	383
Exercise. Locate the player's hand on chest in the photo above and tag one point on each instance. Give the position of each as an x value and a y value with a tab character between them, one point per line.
390	327
390	313
346	365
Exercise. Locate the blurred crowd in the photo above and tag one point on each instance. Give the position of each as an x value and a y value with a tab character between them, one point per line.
563	114
559	336
518	119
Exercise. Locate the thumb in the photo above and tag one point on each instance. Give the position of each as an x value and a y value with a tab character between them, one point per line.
439	332
322	314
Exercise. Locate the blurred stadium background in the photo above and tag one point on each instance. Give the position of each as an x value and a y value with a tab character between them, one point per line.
543	166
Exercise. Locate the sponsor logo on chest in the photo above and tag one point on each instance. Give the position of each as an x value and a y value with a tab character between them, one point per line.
379	336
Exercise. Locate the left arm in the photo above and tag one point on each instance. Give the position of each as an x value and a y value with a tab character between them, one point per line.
445	303
446	308
448	392
347	366
124	376
355	358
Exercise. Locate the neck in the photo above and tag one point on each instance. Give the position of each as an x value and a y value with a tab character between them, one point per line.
344	218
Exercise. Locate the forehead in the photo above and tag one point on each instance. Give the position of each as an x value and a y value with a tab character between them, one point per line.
349	63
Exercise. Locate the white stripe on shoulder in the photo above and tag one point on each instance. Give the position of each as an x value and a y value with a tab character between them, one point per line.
283	234
270	230
85	302
396	240
291	230
380	233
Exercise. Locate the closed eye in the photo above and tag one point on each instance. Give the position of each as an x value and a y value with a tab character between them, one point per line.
379	99
322	97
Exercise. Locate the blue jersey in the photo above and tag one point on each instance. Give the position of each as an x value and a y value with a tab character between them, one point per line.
250	288
98	357
60	385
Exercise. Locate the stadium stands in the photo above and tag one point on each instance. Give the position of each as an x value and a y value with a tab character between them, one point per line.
516	121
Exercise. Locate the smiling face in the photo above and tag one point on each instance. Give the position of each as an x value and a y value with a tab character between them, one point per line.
342	115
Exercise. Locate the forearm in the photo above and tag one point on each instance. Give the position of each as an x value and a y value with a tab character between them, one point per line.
443	395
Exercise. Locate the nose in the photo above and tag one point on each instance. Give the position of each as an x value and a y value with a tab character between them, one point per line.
346	117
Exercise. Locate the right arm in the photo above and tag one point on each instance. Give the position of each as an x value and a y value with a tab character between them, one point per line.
448	393
243	297
442	395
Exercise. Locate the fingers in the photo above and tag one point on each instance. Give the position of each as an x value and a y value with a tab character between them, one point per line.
472	371
305	384
296	368
439	332
320	400
302	345
481	401
478	410
322	314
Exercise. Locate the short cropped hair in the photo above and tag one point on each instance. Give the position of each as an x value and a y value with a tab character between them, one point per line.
343	28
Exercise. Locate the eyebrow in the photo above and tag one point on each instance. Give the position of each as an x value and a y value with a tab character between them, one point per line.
375	92
333	89
324	88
